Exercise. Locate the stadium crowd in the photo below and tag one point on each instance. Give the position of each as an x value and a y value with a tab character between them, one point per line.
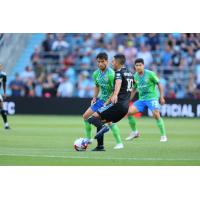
63	64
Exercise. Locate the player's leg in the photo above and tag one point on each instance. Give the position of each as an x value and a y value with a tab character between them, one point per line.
92	109
154	106
106	114
161	125
4	114
116	133
138	106
111	113
96	121
87	125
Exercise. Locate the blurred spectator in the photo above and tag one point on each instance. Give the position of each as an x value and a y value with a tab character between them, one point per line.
48	42
38	86
66	88
130	52
48	87
191	87
175	56
71	74
27	74
145	54
60	44
153	41
85	86
17	86
166	55
30	88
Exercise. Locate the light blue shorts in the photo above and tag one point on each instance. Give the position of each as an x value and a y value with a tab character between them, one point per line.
152	104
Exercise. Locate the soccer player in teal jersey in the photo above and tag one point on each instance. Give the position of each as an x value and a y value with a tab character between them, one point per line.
104	82
145	82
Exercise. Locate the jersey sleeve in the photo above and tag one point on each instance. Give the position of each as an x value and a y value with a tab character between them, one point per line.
134	83
118	75
94	77
154	78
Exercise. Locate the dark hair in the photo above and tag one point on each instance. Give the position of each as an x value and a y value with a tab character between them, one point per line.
139	60
102	55
121	58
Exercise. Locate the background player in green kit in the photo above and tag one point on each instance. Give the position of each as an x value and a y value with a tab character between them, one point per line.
104	83
145	82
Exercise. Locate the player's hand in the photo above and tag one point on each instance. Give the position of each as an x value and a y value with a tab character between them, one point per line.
114	99
162	100
107	102
93	101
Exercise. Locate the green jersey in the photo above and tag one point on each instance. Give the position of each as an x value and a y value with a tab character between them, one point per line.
105	81
146	85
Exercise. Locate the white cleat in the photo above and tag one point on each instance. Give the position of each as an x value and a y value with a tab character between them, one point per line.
163	138
134	134
89	141
119	146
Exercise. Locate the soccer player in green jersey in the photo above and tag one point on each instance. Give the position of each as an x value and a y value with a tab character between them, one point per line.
104	82
145	82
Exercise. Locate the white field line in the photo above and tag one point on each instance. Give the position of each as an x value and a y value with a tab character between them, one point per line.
100	158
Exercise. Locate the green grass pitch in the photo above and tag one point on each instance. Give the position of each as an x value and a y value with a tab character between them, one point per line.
48	140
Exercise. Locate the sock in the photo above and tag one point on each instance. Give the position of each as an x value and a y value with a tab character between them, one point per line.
97	122
4	116
88	129
132	123
116	133
161	126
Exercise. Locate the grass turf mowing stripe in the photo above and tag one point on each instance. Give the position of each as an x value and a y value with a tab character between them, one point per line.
100	158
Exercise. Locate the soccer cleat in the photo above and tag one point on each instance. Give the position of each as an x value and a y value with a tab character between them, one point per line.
104	130
7	127
99	148
134	134
89	141
163	138
119	146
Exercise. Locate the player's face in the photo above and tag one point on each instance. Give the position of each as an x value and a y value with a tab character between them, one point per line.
115	64
102	64
139	67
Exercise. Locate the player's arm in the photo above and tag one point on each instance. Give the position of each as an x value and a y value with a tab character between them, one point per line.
96	93
118	83
96	89
111	78
133	92
155	79
160	88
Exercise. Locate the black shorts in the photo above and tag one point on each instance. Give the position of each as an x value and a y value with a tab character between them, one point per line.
113	112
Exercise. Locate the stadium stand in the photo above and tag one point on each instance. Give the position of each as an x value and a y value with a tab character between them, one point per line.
62	64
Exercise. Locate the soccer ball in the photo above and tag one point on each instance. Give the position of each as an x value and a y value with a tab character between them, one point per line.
80	144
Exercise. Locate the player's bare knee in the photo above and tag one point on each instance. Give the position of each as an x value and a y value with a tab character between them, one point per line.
156	114
95	114
132	111
85	116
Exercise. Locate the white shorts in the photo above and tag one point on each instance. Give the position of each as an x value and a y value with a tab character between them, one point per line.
1	98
